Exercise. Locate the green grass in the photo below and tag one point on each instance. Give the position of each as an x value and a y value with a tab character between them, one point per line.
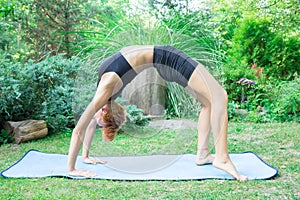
277	143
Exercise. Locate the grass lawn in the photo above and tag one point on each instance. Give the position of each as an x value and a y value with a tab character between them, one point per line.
277	143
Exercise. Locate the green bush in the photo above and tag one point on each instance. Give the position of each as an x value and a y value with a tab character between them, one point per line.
136	116
5	137
136	120
275	101
283	102
40	90
255	46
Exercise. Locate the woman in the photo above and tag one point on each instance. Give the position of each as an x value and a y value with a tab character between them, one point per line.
173	65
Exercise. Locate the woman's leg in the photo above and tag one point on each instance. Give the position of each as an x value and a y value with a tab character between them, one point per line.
204	128
214	98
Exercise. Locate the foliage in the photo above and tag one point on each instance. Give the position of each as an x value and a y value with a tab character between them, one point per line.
40	90
5	137
282	101
135	119
52	24
268	58
227	15
136	116
235	39
270	102
30	29
180	103
180	17
256	46
8	30
283	15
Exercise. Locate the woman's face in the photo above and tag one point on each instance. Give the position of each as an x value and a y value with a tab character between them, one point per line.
99	116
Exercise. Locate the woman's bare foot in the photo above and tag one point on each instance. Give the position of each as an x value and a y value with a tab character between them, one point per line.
228	167
82	173
93	161
204	158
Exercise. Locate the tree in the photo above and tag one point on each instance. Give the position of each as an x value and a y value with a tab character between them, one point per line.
182	16
8	29
31	28
51	25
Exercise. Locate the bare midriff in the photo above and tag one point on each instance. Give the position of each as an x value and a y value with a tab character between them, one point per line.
139	57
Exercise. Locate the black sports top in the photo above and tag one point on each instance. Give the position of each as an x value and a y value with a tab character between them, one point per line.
118	64
172	65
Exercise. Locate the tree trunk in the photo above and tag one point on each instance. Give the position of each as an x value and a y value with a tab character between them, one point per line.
147	91
27	130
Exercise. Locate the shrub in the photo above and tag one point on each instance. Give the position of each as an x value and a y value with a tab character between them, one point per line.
258	53
283	101
269	58
136	116
5	137
255	45
267	102
40	90
135	119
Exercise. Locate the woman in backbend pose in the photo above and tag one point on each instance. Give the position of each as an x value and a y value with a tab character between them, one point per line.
172	65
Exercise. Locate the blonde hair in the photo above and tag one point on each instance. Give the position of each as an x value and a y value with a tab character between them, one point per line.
113	119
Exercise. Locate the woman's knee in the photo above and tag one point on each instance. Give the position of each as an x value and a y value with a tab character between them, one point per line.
220	101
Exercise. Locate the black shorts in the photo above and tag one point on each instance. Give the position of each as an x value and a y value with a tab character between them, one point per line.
173	65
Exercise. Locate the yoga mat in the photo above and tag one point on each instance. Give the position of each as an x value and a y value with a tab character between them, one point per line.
36	164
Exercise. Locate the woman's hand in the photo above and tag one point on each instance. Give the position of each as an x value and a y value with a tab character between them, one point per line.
93	161
82	173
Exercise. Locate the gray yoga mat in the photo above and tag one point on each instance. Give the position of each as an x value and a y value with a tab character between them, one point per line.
36	164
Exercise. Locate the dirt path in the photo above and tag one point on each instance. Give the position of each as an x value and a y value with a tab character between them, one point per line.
173	123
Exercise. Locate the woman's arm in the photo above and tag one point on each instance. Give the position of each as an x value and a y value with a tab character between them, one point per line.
76	142
110	83
89	135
